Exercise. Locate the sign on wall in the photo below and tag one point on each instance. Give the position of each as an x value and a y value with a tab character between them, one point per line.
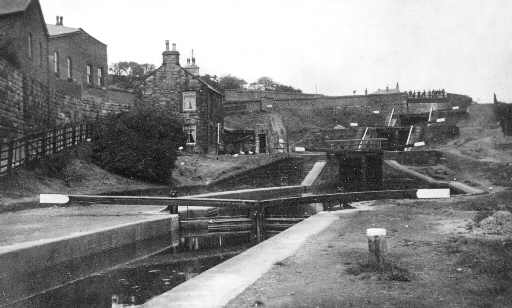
189	101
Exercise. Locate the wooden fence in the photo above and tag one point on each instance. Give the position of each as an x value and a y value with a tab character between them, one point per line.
18	152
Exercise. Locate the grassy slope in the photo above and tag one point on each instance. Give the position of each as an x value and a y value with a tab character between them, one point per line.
202	170
74	173
70	173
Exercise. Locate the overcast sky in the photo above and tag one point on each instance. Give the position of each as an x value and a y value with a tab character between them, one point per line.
464	46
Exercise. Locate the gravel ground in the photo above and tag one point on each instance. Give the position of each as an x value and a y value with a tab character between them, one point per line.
435	257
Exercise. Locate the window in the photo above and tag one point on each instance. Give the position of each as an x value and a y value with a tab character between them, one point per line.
89	74
190	132
70	68
99	76
56	63
41	54
189	101
29	45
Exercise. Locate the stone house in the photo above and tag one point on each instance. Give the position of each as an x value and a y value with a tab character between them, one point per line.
184	92
24	38
77	58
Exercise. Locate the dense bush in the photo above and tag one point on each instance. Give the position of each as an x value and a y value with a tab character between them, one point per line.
139	144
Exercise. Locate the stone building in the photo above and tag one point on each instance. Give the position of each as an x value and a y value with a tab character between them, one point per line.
24	38
77	58
25	83
198	103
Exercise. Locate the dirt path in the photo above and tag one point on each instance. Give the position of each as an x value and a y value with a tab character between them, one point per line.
278	126
437	262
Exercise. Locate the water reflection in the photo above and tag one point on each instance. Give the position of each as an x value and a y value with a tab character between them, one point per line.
128	286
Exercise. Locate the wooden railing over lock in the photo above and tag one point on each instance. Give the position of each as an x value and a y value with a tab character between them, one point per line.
15	153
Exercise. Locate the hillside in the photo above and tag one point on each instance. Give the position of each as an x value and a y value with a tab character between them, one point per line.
481	137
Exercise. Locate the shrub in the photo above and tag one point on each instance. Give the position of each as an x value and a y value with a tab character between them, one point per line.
139	144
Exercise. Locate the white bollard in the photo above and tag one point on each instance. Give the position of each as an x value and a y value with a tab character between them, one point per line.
377	247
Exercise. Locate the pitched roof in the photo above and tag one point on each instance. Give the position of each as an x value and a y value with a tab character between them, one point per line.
54	30
209	86
58	31
13	6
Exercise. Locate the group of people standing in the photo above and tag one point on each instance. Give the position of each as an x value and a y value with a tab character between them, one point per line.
427	94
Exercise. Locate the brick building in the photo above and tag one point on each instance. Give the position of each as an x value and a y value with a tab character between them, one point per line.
181	90
24	38
76	57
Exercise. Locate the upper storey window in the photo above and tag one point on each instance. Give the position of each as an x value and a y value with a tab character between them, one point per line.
89	74
56	63
189	101
70	68
99	76
29	45
41	54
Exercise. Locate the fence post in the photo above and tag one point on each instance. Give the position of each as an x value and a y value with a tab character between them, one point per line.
10	149
54	141
25	147
43	143
73	135
87	130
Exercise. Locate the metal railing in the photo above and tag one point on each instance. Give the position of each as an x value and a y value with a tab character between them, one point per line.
369	144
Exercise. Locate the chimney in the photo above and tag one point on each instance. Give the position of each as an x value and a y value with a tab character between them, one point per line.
60	21
191	67
171	57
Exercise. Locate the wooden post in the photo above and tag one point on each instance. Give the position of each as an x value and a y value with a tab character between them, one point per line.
10	149
73	135
258	217
173	209
377	247
54	141
26	150
43	144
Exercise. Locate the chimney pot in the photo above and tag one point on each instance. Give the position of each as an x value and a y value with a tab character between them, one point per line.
167	45
173	46
58	21
62	20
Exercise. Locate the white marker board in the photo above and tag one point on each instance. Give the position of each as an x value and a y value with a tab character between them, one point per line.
53	199
433	193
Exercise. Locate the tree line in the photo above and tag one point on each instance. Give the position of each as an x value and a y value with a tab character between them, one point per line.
129	75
